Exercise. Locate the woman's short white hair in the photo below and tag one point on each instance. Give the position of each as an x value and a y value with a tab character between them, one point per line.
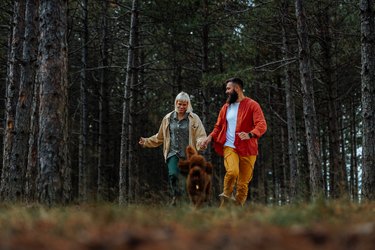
184	97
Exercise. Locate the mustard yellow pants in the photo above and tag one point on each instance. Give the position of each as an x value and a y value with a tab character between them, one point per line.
240	169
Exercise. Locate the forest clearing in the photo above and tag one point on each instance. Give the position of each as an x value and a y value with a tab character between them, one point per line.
317	225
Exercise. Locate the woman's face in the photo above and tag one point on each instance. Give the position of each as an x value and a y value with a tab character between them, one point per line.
181	106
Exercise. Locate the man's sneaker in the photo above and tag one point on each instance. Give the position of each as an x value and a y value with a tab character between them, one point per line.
225	199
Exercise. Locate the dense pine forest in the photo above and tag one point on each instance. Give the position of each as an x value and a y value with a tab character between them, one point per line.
83	80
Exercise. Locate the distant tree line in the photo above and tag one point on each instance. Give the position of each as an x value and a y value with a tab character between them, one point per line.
84	79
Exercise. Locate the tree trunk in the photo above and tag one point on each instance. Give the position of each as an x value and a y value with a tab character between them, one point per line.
205	64
18	158
205	70
353	152
33	171
311	127
133	128
261	188
277	179
270	182
12	90
327	184
82	164
282	175
54	185
290	110
125	181
103	162
368	98
340	186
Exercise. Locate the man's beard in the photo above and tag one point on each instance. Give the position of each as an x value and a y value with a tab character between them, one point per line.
232	97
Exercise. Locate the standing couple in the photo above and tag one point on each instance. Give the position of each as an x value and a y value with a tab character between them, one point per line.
238	127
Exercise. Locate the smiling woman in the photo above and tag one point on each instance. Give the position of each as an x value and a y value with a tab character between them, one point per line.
178	129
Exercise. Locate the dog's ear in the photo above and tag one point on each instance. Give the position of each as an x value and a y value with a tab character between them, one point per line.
184	166
190	151
209	167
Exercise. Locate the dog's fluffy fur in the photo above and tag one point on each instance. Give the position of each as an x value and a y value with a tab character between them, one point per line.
199	174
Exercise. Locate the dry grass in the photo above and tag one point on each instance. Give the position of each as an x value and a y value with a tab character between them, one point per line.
89	215
96	225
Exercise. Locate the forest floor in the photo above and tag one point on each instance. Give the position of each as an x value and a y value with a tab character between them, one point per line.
318	225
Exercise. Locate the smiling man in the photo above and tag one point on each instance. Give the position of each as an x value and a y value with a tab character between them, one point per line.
239	126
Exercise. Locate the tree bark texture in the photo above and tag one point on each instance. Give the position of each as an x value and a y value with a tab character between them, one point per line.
310	118
205	70
353	153
133	131
82	164
339	185
368	97
54	184
32	170
104	152
290	108
326	175
125	176
12	89
18	159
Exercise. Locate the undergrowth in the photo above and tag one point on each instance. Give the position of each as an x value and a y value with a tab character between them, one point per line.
72	219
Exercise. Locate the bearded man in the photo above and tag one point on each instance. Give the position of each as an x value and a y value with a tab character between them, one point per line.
239	126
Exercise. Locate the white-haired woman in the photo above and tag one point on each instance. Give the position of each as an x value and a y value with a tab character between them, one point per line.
178	129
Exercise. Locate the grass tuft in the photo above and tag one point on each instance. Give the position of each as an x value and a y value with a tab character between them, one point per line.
70	219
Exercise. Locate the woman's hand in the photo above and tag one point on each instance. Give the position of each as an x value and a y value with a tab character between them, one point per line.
200	146
204	143
142	141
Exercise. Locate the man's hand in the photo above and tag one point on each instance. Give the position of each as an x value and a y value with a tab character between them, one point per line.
245	135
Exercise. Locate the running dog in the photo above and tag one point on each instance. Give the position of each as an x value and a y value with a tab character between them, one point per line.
199	175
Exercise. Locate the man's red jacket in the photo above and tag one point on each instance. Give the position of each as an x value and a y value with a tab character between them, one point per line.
250	118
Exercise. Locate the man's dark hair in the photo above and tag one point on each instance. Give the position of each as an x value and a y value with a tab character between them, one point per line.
235	80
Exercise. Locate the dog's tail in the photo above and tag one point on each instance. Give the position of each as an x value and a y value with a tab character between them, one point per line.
190	151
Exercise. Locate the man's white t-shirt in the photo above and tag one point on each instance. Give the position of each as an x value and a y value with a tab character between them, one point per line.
231	117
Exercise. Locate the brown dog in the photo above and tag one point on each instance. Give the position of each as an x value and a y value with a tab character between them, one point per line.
199	173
